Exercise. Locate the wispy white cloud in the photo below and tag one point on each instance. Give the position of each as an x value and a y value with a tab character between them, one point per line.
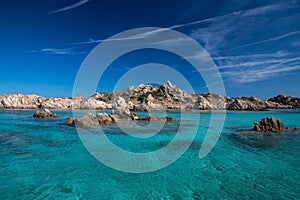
217	19
259	74
277	54
51	51
295	43
252	63
221	33
267	40
247	75
93	41
75	5
247	65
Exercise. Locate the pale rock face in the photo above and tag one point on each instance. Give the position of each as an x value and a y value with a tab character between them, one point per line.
130	105
148	97
120	108
203	103
86	120
6	103
32	101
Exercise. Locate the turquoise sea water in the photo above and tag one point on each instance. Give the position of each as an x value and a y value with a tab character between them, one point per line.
45	159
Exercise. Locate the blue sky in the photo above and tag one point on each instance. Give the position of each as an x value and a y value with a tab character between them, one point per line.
255	44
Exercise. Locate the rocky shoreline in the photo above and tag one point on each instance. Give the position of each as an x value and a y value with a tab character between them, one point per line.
150	98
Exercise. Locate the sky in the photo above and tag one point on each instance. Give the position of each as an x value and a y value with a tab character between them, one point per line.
254	44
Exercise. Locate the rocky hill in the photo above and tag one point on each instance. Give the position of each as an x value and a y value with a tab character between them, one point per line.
147	97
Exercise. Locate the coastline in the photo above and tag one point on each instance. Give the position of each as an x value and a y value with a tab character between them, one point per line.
166	97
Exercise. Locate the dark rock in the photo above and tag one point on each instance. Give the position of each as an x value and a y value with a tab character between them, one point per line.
292	128
268	125
157	119
140	108
104	118
293	102
134	116
44	113
70	121
40	106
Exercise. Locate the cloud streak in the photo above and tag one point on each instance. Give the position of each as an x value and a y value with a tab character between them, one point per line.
70	7
242	13
249	75
66	51
267	40
227	32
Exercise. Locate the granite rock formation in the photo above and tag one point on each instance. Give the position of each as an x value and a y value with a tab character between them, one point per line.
120	112
150	98
269	125
44	113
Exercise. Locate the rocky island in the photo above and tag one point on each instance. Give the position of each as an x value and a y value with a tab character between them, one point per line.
150	98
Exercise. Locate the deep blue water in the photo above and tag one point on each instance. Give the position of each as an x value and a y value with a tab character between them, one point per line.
45	159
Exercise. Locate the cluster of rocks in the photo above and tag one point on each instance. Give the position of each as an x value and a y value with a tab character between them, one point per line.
120	112
44	113
286	100
169	97
150	98
271	125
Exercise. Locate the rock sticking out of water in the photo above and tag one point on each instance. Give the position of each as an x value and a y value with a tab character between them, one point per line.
269	125
119	112
89	120
44	113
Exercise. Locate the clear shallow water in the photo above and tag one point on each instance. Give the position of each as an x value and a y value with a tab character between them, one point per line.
45	159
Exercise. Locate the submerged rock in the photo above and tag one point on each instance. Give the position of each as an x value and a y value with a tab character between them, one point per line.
254	140
269	125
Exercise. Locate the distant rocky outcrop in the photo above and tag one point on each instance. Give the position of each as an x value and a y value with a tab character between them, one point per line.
292	102
150	98
269	125
19	101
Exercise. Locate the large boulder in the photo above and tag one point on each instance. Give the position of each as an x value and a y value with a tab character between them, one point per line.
89	120
269	125
44	113
86	120
120	108
104	118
